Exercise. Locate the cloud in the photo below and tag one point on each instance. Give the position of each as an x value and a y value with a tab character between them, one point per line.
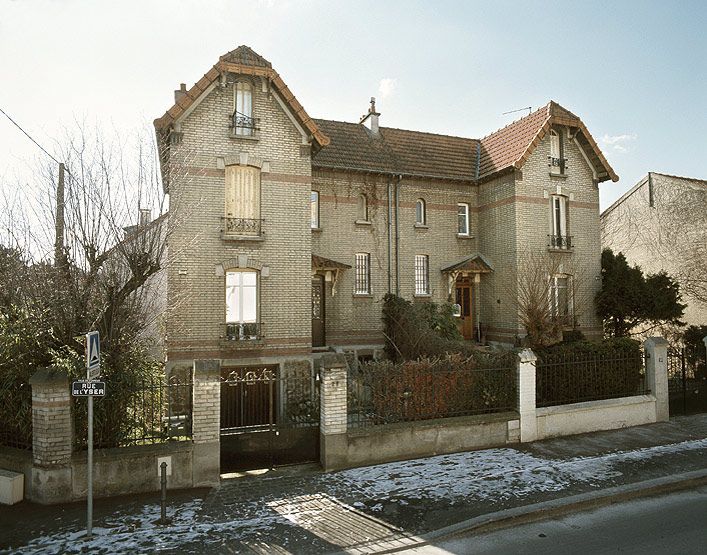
619	143
386	87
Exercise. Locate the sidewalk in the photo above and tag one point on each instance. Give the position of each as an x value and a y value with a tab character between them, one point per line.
369	509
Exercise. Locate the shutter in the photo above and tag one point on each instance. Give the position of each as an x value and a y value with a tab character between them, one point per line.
231	177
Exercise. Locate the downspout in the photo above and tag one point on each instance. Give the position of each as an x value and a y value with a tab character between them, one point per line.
397	235
390	246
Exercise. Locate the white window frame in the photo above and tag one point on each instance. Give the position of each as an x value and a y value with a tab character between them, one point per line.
558	207
363	208
422	275
362	273
314	210
240	289
243	106
463	211
420	212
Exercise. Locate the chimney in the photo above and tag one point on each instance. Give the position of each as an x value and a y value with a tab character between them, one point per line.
144	217
181	92
370	119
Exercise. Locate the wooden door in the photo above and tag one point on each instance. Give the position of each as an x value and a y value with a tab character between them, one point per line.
318	312
463	299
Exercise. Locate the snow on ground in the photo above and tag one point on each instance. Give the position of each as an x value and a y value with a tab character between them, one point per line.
473	477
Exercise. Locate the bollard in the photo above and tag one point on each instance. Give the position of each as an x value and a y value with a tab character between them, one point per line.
163	496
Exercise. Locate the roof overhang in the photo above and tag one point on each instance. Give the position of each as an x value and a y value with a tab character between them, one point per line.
476	263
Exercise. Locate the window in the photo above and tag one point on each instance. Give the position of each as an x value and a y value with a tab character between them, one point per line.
557	161
314	209
241	304
243	122
463	218
422	274
243	200
560	297
559	238
420	212
363	208
362	284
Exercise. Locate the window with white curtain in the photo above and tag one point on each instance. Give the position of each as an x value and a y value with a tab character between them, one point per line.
243	113
241	296
242	209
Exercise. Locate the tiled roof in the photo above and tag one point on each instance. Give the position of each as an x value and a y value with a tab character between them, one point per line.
473	263
243	61
352	146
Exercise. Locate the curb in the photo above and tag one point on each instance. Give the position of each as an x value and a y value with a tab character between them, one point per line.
560	507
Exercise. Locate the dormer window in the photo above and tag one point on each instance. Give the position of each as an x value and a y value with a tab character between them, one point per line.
243	122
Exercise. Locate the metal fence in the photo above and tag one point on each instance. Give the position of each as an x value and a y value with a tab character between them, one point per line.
566	378
386	393
687	380
151	411
16	420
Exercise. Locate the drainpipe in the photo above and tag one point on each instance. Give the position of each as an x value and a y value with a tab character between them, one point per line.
397	235
390	246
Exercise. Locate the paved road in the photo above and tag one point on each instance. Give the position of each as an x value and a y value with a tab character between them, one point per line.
675	523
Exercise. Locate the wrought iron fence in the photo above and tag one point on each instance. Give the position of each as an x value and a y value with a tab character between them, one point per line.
386	393
152	411
687	380
565	378
16	424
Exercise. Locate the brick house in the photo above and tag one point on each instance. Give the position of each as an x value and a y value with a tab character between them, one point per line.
285	232
660	224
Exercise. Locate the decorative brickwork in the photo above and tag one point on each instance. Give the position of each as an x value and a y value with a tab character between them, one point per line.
207	401
51	418
333	399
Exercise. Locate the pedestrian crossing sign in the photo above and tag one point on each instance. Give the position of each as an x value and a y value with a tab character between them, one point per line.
93	353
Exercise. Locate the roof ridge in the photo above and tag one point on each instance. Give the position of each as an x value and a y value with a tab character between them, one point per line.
545	107
383	127
680	177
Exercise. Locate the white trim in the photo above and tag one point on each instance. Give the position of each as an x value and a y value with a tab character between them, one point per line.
305	136
586	159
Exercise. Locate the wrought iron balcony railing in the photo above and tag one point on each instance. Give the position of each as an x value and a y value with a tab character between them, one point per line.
560	163
243	125
242	226
242	331
562	242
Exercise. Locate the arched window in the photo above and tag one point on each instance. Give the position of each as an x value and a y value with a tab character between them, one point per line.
420	212
243	122
363	208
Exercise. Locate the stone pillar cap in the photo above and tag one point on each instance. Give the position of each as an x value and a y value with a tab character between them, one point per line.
52	375
527	355
657	341
334	361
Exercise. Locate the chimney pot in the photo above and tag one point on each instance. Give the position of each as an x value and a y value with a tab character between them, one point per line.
181	92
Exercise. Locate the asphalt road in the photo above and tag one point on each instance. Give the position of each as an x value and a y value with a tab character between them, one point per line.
674	524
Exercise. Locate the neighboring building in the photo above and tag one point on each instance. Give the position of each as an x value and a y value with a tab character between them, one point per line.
287	231
661	224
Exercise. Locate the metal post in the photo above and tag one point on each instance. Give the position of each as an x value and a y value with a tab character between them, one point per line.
163	495
270	422
89	470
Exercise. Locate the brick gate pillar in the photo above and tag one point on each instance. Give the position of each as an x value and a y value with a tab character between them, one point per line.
657	375
206	423
333	413
52	437
526	395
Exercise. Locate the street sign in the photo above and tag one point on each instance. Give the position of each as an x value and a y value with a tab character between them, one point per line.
93	355
88	389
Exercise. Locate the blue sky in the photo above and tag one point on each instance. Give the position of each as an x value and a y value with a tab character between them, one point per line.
634	71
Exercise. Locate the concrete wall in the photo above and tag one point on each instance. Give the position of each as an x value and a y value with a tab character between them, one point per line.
18	460
427	438
610	414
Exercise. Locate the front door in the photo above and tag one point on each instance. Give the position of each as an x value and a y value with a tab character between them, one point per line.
318	312
463	299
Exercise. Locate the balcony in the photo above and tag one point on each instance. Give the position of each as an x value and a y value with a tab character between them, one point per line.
557	165
559	242
243	126
244	229
242	331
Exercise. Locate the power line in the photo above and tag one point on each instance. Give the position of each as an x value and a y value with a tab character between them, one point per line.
529	108
29	136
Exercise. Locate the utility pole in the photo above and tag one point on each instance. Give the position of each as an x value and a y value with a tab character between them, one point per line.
59	224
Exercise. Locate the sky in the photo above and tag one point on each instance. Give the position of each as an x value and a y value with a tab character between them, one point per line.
635	72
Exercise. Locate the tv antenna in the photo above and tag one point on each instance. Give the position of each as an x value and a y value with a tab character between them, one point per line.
529	108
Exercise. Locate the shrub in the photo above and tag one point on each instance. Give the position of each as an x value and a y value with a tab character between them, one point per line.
587	371
695	351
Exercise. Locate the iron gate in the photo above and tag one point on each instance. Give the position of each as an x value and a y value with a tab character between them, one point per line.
687	382
269	416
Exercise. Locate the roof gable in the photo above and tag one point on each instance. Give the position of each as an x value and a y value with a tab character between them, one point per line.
244	61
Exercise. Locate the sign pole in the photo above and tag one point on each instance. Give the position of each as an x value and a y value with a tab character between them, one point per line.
89	470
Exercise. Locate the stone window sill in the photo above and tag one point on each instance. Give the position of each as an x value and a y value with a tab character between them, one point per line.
558	175
363	295
316	230
421	226
235	237
554	249
464	236
362	222
422	295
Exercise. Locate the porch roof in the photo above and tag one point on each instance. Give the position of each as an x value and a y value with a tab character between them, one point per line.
475	263
321	263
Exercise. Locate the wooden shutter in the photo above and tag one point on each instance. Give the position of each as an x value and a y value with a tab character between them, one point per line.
242	192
